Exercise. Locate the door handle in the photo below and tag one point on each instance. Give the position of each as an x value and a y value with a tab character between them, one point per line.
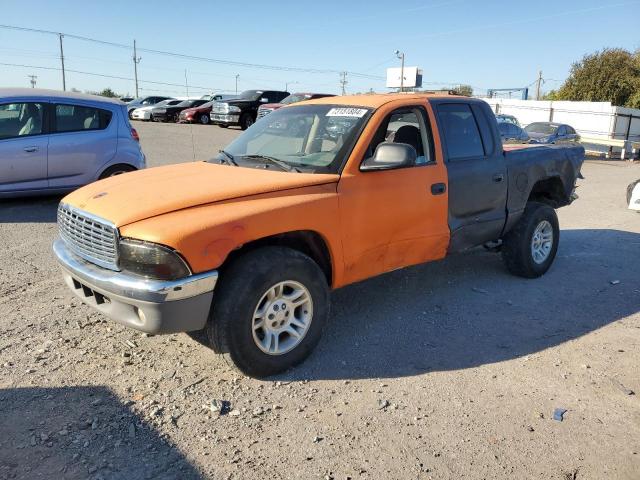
30	149
498	177
438	188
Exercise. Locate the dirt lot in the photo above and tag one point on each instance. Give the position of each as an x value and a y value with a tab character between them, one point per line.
447	371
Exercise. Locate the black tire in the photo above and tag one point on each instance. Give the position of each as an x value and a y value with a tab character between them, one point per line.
517	250
114	170
246	120
130	113
242	286
630	191
204	119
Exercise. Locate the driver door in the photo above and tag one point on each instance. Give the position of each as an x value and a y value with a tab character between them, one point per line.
395	218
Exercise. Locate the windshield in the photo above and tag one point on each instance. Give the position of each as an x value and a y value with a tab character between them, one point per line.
293	98
313	138
185	103
544	128
251	94
506	119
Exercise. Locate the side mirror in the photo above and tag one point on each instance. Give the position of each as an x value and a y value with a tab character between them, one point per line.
390	155
264	100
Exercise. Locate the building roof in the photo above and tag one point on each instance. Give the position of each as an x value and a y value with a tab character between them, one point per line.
374	100
57	94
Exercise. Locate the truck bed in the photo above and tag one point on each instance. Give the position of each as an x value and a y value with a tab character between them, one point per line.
527	165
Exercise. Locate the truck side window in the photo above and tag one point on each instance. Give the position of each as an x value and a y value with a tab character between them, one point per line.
460	131
406	125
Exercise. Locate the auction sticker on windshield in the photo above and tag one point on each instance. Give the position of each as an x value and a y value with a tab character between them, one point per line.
347	112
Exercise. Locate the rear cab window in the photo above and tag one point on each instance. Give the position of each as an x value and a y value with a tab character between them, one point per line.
79	118
461	131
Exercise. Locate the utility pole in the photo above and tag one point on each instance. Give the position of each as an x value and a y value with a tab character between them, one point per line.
400	55
237	75
32	79
343	82
136	61
64	80
539	82
186	82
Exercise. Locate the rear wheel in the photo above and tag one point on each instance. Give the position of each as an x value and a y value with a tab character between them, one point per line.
529	249
116	170
246	121
204	119
269	310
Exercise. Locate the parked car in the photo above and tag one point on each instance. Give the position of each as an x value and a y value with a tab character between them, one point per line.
144	113
550	133
502	118
633	196
284	214
293	98
196	114
144	102
243	110
171	113
53	142
512	133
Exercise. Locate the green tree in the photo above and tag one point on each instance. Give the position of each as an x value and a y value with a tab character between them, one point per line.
610	75
107	92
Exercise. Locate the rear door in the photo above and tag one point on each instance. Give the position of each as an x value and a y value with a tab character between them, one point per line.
83	140
477	173
23	146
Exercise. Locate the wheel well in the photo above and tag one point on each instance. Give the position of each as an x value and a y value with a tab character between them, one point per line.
127	166
306	241
549	191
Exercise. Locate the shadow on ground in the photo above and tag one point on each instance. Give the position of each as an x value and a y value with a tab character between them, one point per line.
80	433
468	311
29	210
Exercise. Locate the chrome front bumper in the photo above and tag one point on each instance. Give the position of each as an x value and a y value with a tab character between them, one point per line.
224	118
152	306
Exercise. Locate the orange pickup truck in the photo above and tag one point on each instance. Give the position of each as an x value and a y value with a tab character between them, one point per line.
314	196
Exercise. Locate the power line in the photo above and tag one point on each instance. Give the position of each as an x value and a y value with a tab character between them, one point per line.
93	74
195	57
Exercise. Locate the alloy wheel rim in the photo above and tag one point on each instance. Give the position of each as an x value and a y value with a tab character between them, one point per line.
541	242
282	318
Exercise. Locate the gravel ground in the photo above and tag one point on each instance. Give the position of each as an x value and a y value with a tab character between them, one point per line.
449	370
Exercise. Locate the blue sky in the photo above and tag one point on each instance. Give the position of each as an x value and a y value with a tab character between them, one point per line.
487	44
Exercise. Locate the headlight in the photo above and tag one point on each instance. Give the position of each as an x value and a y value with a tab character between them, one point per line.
234	109
151	260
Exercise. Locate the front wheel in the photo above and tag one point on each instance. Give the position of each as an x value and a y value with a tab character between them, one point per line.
204	119
269	310
529	249
246	121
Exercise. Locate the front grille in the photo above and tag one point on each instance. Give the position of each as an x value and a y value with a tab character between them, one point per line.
91	238
264	111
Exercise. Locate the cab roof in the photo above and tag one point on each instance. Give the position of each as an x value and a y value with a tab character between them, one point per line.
375	100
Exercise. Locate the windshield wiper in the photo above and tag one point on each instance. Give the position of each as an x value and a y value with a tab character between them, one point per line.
275	161
229	158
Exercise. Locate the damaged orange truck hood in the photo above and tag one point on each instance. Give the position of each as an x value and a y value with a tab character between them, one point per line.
129	198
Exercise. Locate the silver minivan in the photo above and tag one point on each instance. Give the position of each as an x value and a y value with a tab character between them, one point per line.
53	142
